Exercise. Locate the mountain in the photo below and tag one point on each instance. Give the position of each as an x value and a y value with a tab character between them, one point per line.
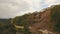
47	21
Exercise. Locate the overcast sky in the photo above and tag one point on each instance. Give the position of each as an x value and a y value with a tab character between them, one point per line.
12	8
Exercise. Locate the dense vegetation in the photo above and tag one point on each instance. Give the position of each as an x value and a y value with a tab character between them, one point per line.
22	21
55	16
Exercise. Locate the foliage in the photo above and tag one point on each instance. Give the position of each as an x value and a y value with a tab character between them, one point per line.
55	16
22	21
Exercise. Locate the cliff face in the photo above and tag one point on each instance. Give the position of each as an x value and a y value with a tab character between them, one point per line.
44	23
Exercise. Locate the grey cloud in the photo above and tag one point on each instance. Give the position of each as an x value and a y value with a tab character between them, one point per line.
10	8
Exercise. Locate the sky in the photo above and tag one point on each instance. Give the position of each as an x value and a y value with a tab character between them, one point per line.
12	8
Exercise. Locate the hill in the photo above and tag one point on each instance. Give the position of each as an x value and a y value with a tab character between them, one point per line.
47	21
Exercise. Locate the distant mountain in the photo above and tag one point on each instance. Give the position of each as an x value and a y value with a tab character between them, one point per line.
3	20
